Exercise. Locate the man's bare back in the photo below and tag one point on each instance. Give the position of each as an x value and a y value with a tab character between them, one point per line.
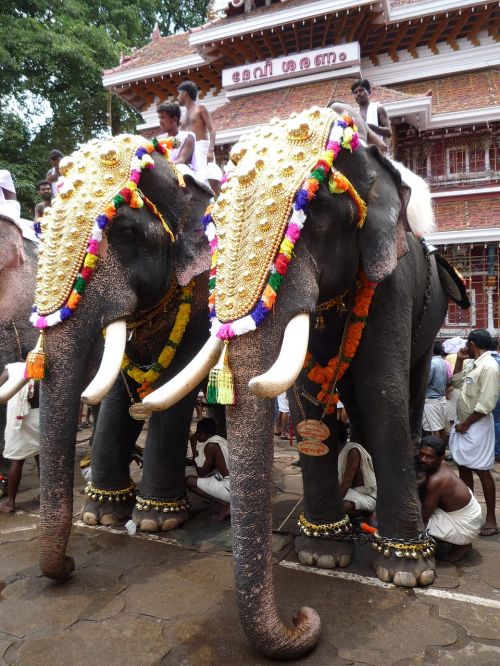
442	489
197	118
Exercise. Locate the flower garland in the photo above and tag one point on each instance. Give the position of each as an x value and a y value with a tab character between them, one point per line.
128	195
343	135
147	377
334	370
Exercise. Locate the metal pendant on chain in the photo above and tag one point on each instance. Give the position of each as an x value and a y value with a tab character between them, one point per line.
312	431
137	410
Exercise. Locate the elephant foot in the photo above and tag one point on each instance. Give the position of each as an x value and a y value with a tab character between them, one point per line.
323	553
154	515
404	572
108	507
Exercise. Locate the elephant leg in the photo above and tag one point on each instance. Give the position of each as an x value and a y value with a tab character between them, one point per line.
115	434
322	502
161	502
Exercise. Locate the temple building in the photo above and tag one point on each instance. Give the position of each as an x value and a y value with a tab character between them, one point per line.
433	64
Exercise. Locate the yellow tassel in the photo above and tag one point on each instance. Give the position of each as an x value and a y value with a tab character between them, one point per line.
36	361
220	389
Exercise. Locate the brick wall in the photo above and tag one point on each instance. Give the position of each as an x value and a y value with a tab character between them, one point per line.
468	213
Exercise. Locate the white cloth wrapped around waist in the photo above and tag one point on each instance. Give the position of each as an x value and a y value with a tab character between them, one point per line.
434	416
476	447
458	527
370	483
200	450
22	431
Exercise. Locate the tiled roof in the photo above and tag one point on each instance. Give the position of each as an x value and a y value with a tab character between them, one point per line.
261	107
256	11
157	50
458	92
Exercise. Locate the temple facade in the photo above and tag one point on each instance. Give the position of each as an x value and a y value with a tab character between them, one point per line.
433	64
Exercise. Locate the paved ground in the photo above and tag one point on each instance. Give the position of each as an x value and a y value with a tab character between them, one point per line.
169	599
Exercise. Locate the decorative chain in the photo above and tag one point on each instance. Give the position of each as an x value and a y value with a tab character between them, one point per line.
100	495
174	506
424	546
340	529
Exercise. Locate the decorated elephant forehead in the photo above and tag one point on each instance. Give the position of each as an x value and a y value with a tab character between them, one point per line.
253	209
91	179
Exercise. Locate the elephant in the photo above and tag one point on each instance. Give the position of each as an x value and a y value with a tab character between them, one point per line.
122	231
18	261
355	216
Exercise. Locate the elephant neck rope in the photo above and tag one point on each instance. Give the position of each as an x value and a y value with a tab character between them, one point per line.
329	376
147	377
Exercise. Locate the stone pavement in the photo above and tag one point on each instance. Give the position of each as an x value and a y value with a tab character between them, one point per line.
169	599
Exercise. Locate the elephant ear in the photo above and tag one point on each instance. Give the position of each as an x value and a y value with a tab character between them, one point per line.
382	239
192	252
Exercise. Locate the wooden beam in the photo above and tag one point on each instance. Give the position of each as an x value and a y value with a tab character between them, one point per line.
493	30
212	77
227	51
326	29
281	37
297	40
339	29
355	25
269	45
481	18
412	46
460	23
403	29
253	44
440	28
378	43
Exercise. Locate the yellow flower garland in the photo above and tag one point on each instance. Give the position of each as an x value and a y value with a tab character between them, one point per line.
147	377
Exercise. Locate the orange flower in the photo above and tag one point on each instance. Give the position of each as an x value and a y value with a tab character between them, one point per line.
268	297
73	300
110	211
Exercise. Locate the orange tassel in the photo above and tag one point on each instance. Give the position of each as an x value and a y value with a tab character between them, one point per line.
36	362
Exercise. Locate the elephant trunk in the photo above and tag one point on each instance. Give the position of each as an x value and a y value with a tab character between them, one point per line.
68	351
251	456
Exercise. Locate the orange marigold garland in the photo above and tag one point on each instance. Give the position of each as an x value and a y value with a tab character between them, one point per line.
336	366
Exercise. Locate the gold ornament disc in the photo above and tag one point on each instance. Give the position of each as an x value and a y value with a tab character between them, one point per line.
91	177
139	412
313	429
312	447
251	214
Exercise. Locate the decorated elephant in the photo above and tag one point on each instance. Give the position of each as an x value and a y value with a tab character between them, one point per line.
122	245
18	259
376	297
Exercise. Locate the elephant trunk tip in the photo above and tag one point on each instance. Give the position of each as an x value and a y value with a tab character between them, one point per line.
56	571
300	640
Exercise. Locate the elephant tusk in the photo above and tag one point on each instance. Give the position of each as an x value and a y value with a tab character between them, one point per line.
289	363
114	348
187	379
15	382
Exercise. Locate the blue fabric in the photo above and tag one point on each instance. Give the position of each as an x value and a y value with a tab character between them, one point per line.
438	379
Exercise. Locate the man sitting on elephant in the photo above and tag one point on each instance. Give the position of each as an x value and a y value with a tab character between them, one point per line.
169	116
211	460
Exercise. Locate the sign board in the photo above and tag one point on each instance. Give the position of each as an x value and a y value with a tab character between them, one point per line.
292	66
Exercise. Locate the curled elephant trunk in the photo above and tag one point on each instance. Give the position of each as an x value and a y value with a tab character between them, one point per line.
188	379
14	383
114	348
289	363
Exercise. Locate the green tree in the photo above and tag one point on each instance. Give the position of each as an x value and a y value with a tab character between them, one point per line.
52	55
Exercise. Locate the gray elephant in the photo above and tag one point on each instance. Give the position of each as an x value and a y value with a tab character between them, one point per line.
123	230
18	260
351	203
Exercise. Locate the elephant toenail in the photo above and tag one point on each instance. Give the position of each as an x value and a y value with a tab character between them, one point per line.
405	579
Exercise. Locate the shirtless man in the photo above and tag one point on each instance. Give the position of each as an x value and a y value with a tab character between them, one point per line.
449	508
45	192
357	484
211	460
372	113
169	116
365	133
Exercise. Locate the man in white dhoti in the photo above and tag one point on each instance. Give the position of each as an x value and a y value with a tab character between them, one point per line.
357	482
373	113
22	433
198	120
169	116
211	460
434	418
452	513
472	438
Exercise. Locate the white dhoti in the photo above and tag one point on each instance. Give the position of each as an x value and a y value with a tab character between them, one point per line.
434	417
457	527
199	161
283	405
476	447
217	486
364	499
22	432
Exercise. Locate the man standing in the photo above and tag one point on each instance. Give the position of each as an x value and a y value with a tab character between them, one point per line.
197	119
53	173
449	508
472	438
434	420
169	116
45	192
373	113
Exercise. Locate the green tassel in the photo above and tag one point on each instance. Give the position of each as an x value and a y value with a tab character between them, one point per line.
220	389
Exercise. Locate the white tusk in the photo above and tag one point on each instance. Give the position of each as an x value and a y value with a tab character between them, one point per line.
114	348
187	379
289	363
15	382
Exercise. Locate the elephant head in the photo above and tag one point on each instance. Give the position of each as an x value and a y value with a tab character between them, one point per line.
348	223
122	226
